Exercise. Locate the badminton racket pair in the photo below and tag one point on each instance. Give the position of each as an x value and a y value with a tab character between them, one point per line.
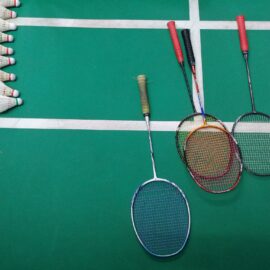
209	151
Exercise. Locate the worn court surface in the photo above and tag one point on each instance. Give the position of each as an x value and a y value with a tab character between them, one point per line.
65	194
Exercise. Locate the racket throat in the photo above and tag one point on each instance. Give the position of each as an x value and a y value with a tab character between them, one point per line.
147	121
193	71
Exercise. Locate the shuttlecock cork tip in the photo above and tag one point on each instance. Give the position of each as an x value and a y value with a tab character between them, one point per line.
10	38
12	60
19	101
17	3
12	26
12	77
10	51
13	14
15	93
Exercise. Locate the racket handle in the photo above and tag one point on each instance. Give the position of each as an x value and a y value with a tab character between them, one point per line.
242	33
143	94
189	50
175	41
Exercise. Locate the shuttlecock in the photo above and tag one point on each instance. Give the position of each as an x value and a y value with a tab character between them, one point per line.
7	26
6	38
7	91
6	61
4	76
6	13
7	103
5	50
10	3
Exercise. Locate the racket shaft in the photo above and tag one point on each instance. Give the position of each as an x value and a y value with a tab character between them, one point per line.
188	87
244	48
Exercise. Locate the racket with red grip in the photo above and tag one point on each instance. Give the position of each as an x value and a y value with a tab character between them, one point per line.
253	141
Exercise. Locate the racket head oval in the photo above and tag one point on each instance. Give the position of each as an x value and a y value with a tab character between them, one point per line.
160	217
252	133
215	167
187	125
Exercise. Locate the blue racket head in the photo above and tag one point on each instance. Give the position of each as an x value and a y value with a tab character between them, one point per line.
161	217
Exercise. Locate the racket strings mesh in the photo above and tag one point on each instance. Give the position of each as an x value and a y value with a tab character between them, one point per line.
161	217
225	182
252	132
208	152
187	125
213	159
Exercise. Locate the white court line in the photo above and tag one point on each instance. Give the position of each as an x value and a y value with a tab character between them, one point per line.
120	125
136	24
88	23
232	25
76	124
195	35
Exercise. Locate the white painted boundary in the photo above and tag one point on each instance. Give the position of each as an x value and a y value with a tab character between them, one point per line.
135	24
231	25
85	23
77	124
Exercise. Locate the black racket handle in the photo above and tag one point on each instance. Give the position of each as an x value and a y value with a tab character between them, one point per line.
188	46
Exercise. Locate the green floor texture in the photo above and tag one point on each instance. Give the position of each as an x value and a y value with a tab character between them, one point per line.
65	195
113	9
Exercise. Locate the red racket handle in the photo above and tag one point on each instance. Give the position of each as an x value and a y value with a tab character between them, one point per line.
242	33
175	41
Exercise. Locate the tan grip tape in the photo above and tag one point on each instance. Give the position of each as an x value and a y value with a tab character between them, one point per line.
143	94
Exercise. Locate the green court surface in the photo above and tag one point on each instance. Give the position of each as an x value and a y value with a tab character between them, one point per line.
227	10
114	9
65	195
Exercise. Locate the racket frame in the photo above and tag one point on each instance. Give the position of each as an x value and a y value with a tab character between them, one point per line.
233	133
133	221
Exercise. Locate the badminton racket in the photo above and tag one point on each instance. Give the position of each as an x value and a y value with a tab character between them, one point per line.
159	210
252	129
